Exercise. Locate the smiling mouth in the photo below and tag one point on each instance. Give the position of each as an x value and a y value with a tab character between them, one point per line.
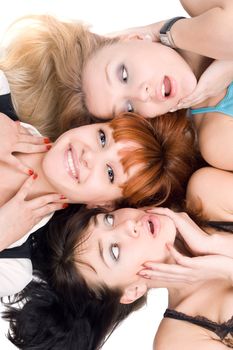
71	163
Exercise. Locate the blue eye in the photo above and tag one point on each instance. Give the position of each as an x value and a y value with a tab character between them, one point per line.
102	137
124	74
115	251
110	174
109	219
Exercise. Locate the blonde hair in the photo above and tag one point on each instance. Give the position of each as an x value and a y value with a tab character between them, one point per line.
43	64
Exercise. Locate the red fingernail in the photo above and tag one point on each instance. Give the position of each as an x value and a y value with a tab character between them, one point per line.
62	196
65	205
48	147
35	176
30	172
47	140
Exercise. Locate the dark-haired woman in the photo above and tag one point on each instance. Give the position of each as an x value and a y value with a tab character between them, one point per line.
97	275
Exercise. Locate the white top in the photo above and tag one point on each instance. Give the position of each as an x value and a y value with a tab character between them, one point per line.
15	274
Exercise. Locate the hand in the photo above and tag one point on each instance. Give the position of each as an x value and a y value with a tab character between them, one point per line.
190	270
149	32
198	241
15	138
18	215
213	81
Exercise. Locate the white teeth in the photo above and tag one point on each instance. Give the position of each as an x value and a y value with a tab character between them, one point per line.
71	163
163	90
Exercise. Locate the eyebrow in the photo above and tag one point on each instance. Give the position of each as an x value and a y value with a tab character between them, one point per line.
100	246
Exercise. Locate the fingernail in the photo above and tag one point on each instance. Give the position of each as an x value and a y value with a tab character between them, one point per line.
62	196
143	274
47	140
30	172
48	147
148	267
65	205
35	176
172	110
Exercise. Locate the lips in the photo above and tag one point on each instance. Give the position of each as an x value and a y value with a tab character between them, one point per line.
167	88
152	224
71	163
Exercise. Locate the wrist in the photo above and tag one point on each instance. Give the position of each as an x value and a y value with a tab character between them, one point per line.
166	34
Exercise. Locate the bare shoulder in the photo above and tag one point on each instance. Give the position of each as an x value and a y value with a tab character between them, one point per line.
173	335
197	7
210	190
215	140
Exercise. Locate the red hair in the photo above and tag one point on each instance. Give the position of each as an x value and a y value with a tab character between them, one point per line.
165	153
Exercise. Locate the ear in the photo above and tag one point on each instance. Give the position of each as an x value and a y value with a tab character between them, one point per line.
133	292
109	205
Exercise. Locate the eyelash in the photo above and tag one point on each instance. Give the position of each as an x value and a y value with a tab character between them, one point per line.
110	171
129	106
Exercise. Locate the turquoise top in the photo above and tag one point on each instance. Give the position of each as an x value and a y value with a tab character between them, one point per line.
224	106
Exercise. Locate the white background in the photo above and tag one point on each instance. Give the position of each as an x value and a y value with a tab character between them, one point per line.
105	16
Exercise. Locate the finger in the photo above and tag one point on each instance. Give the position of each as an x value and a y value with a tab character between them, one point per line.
17	164
25	188
180	259
36	140
47	199
185	225
21	128
49	209
167	277
31	148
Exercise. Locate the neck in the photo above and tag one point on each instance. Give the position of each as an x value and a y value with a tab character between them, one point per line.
197	62
13	179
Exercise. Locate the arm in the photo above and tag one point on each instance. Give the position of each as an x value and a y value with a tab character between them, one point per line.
18	216
209	265
212	82
211	19
208	32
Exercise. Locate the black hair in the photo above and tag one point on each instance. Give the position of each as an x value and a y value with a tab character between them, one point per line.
58	310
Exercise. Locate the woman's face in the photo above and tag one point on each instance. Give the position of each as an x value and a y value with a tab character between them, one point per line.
84	165
136	75
121	242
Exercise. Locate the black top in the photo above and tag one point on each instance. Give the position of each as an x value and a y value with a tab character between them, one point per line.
223	330
6	106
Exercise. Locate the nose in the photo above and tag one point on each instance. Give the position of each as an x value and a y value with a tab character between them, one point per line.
87	157
144	92
133	228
